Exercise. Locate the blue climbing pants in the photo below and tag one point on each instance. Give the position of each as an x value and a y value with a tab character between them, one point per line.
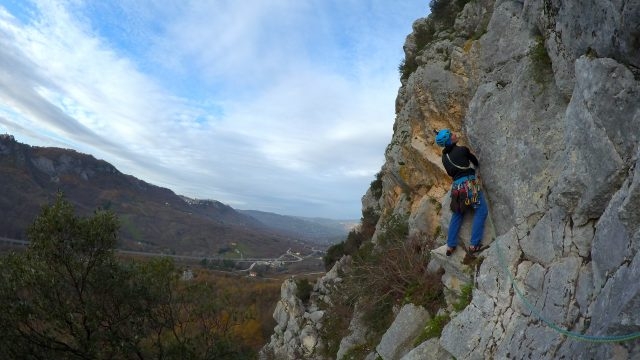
477	229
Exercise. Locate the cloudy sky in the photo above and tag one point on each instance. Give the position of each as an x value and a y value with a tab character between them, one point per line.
283	106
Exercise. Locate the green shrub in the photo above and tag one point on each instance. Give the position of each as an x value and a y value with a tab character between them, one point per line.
394	229
391	273
437	232
484	25
303	289
382	275
443	16
335	324
347	247
445	11
378	317
433	329
359	352
407	67
376	186
354	240
395	269
424	35
461	3
368	222
465	297
442	10
334	253
426	292
540	61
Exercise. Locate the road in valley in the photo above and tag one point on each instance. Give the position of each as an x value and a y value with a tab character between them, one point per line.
287	257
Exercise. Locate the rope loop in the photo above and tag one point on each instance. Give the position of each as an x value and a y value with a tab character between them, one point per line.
551	324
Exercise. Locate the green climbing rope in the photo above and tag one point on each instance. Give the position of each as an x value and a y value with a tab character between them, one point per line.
551	324
537	313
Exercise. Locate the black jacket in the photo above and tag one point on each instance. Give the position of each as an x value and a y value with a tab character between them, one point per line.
461	160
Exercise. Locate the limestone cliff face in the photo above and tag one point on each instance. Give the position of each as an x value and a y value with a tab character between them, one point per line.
549	99
547	95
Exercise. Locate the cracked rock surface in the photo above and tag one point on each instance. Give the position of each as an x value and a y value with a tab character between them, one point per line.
546	94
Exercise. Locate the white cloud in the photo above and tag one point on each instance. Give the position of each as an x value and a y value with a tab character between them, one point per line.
279	105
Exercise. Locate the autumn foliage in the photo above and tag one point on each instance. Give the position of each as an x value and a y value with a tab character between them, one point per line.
68	296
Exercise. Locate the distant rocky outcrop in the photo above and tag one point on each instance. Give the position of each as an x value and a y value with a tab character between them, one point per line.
546	94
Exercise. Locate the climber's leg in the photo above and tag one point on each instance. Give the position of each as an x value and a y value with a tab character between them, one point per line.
477	229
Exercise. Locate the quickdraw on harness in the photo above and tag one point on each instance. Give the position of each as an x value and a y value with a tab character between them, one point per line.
465	191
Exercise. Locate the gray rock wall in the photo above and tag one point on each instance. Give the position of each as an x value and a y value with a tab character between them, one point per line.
398	339
559	159
558	147
297	332
547	95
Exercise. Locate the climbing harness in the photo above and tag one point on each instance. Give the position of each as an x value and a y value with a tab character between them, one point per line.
551	324
465	193
464	190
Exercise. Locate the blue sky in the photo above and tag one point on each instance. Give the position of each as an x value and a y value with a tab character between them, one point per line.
283	106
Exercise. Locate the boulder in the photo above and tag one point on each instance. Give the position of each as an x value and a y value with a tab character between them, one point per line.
398	339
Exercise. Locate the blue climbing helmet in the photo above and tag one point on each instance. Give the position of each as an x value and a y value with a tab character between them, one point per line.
443	138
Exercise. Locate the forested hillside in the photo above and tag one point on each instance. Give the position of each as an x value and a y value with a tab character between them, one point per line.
152	218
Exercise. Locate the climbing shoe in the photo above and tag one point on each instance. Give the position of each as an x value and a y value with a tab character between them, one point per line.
450	250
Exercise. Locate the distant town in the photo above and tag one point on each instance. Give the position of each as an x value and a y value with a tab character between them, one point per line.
291	262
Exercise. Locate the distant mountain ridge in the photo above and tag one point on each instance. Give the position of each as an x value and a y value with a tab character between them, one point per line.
317	230
152	218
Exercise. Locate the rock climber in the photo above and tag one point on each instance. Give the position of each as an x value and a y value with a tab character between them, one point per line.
465	190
